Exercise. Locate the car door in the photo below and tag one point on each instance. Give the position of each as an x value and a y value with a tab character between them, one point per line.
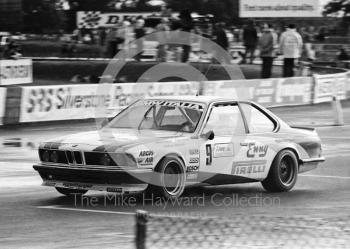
260	137
217	156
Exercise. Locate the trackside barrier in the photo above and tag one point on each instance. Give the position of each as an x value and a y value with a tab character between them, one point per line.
155	231
2	103
267	92
16	72
75	102
29	104
12	105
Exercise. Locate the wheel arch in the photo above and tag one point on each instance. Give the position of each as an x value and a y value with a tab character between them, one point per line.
294	150
173	154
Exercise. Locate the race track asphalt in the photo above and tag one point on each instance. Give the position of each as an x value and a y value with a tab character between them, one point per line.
32	216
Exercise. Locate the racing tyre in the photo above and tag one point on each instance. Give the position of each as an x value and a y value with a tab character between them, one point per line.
71	192
169	179
283	173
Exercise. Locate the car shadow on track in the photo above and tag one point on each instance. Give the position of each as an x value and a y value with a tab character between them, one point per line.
195	201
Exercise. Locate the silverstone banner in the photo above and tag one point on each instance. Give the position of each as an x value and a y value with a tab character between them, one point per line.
16	72
278	8
269	92
327	86
2	103
71	102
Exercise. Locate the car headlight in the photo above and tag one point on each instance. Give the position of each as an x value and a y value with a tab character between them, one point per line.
46	156
54	157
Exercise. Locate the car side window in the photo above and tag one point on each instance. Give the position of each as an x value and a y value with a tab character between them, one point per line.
257	121
225	120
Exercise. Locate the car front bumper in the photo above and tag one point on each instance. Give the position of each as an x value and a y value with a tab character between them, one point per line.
109	180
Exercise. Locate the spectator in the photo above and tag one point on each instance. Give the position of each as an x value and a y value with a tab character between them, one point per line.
68	49
111	42
220	38
343	55
291	45
162	28
250	40
139	34
186	26
102	36
12	50
266	46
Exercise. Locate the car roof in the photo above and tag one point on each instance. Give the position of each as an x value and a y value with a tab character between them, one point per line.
200	99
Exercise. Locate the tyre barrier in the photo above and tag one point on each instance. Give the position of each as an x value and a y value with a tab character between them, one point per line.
241	231
31	104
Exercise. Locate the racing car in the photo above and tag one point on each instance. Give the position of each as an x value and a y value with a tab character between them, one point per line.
163	145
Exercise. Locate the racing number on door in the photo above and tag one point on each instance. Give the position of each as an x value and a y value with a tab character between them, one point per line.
209	154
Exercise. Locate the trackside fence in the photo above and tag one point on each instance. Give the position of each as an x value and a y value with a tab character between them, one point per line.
166	232
31	104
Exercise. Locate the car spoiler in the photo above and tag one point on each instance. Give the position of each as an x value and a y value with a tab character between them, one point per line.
303	128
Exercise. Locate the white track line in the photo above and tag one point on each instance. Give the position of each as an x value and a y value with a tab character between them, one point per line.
331	177
85	210
332	126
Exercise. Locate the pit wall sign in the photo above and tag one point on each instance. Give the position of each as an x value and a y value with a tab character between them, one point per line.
74	102
279	8
16	72
2	103
96	19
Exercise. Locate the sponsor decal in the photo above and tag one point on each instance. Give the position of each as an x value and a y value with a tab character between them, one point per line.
223	150
248	168
147	153
192	168
187	105
145	158
192	176
114	190
257	150
194	152
77	185
145	161
209	155
194	160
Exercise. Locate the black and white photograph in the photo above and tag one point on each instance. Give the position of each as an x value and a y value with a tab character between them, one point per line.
174	124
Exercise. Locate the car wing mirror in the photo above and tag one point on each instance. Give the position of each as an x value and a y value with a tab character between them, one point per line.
104	123
209	135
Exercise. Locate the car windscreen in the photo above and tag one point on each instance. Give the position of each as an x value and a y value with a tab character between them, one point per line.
160	115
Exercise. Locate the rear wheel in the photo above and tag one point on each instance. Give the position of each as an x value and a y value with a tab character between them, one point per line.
71	192
169	179
283	173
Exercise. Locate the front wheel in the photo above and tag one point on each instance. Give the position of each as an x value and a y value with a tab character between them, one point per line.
283	173
71	192
169	179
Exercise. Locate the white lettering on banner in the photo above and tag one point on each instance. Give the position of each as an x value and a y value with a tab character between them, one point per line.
293	91
271	92
2	103
278	8
327	86
67	102
96	19
16	72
